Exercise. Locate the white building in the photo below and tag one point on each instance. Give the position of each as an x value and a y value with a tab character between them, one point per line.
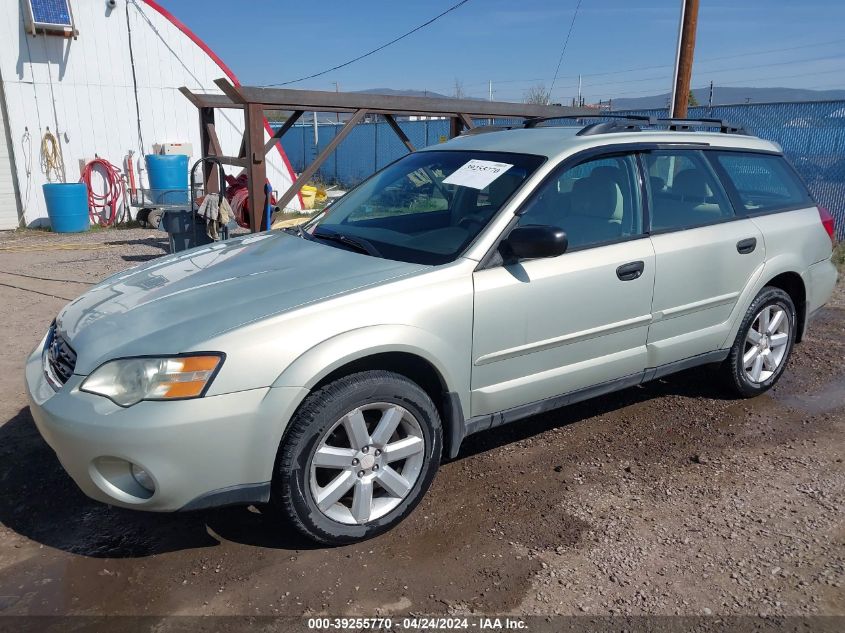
110	90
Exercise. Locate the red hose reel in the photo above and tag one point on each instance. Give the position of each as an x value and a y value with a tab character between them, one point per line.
105	208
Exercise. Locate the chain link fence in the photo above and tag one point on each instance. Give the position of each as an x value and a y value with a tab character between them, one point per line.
812	136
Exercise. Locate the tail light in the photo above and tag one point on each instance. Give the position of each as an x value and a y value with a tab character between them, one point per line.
828	223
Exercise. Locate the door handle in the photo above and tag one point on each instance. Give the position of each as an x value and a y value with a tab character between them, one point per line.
743	247
630	271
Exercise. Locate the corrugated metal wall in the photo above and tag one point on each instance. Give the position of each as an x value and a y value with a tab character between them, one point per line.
84	89
9	205
812	136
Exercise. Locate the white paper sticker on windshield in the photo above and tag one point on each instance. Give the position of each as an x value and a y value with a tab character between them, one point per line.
477	174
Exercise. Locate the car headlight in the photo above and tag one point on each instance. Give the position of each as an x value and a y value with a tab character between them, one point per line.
127	381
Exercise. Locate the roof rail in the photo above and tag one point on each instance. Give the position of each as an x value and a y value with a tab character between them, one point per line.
606	127
618	123
684	125
533	122
635	122
481	129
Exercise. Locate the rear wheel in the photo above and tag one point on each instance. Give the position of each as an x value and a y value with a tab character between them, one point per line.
359	455
763	344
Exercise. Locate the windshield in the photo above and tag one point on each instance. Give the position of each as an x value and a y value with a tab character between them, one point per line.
425	208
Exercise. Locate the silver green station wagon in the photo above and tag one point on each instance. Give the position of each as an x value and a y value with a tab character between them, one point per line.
325	371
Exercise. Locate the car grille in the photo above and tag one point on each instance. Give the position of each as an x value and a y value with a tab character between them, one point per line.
61	359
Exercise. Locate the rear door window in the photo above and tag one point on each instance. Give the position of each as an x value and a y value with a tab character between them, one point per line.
762	182
684	191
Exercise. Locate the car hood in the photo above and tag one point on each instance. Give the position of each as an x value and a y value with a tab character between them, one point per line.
173	304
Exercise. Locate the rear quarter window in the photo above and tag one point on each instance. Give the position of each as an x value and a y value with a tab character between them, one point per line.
762	182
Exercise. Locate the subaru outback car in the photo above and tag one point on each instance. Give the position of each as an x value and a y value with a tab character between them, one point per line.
324	372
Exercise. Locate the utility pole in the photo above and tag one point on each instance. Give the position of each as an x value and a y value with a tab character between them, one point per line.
683	59
580	101
710	100
337	89
490	92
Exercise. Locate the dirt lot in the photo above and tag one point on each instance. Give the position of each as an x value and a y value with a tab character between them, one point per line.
668	498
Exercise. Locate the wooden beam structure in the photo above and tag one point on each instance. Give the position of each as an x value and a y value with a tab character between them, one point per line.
399	132
254	100
293	118
309	172
256	165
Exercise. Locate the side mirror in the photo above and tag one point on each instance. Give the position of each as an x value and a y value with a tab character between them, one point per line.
533	242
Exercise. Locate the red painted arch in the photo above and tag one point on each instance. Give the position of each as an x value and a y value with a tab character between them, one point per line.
226	70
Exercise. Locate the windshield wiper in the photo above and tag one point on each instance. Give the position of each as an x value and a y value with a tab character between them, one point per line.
358	243
298	231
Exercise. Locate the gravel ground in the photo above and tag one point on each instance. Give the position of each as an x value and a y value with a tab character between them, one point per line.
669	498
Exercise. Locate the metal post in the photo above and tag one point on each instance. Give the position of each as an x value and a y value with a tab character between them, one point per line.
337	114
710	100
490	94
683	59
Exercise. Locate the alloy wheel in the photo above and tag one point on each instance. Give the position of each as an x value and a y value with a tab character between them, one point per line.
367	463
766	343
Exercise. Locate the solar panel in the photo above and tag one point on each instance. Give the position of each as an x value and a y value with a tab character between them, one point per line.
50	14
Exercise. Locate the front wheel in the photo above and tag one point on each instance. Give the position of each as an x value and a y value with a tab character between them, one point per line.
763	343
359	455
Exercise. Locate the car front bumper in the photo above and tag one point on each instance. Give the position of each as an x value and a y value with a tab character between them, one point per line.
203	452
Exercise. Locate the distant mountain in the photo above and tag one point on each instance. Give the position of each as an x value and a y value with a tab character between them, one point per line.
402	93
727	96
412	93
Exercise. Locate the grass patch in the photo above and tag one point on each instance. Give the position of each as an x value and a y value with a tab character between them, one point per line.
293	215
839	256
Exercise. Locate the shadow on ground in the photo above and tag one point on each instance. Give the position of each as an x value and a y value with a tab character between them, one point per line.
161	243
38	499
700	382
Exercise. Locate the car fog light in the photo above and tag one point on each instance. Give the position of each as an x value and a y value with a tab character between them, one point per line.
142	477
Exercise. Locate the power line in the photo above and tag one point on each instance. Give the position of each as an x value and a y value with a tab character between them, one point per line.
823	72
565	44
699	73
719	70
375	50
715	59
640	93
638	68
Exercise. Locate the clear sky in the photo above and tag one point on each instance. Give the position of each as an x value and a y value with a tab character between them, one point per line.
622	48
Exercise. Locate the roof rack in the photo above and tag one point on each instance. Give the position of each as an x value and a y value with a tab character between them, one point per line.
618	123
684	125
481	129
633	122
533	122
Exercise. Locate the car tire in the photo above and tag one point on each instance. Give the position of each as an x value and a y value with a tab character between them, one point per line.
752	369
324	424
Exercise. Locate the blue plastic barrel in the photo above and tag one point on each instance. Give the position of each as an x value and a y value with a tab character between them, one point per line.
67	206
168	178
